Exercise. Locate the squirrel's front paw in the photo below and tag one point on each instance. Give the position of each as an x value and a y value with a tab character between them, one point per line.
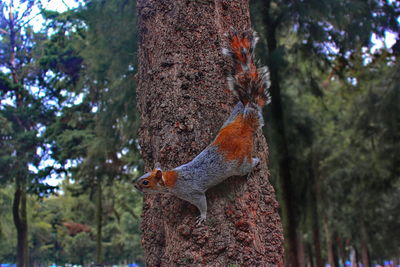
200	219
254	162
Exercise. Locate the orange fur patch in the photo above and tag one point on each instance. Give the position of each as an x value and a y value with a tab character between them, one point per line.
170	178
235	141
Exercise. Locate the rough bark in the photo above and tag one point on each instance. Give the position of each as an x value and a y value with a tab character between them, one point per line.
183	102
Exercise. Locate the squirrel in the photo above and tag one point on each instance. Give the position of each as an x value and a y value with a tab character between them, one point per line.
230	154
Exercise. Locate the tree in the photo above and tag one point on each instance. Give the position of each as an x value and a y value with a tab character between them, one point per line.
24	112
183	102
98	133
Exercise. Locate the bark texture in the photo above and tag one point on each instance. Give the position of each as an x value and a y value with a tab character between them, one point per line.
183	102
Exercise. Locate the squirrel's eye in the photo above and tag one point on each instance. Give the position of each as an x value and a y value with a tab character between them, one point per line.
145	182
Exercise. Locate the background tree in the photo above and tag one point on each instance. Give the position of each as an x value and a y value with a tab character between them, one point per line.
183	103
103	123
27	107
305	43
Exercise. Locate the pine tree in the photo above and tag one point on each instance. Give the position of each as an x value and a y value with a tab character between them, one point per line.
26	108
99	133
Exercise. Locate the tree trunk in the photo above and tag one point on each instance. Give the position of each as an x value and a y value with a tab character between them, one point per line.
342	251
20	195
301	250
310	255
329	244
364	246
316	241
354	257
314	200
20	222
183	102
99	220
284	161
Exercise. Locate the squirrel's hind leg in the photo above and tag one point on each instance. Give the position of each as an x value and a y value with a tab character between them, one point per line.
200	202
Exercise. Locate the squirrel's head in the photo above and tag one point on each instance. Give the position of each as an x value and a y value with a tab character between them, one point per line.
152	181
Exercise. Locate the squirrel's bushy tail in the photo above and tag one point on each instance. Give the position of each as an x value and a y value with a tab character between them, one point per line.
246	81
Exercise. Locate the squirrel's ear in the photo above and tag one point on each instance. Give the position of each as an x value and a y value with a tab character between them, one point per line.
157	166
159	174
159	177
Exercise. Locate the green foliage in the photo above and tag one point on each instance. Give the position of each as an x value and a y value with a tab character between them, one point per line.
50	241
340	114
72	108
98	132
7	231
361	171
96	138
80	248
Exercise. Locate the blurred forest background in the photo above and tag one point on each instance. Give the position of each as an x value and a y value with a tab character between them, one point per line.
68	113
